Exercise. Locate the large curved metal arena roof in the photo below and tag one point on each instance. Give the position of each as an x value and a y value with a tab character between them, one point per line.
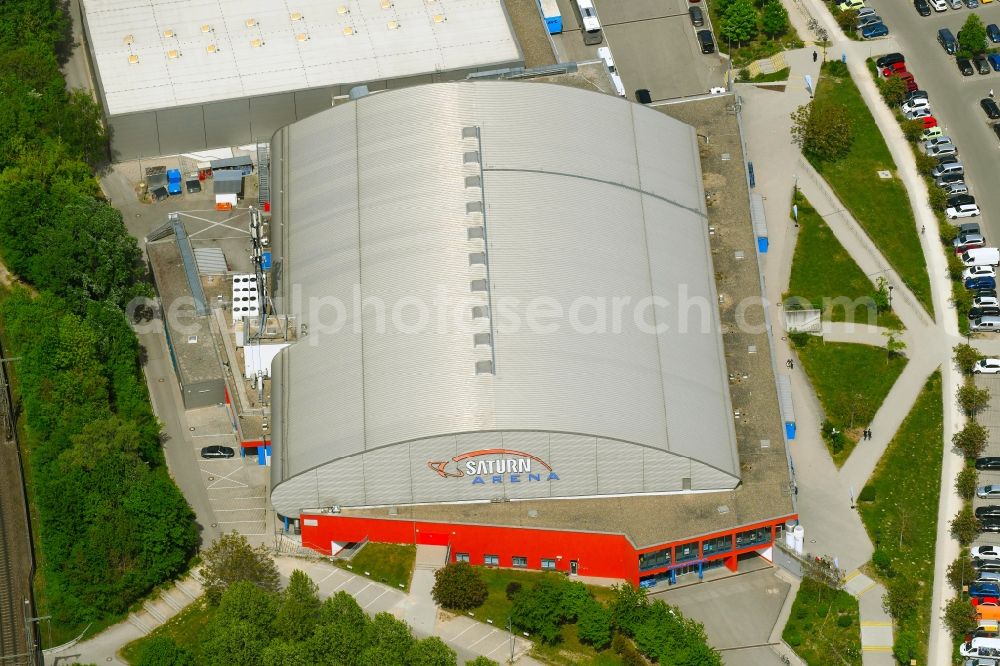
487	271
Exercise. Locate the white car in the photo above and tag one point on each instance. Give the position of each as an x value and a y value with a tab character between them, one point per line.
916	103
939	5
965	210
986	553
865	11
987	366
917	113
987	302
978	271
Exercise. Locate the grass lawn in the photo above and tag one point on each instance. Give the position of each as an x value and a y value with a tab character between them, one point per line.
185	628
824	626
387	563
851	381
822	271
569	650
780	75
880	206
904	513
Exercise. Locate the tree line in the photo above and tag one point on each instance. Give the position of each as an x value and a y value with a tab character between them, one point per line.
110	523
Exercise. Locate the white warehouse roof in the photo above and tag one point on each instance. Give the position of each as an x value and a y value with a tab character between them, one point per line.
153	54
583	198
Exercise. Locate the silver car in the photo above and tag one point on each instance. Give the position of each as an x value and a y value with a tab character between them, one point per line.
959	187
942	149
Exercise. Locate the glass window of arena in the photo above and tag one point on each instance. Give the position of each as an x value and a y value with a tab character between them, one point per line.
686	551
753	537
718	545
655	559
548	564
461	557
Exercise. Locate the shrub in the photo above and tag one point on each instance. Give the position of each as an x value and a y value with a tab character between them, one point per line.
972	399
794	639
959	617
513	587
900	599
937	198
911	128
961	572
905	646
458	586
971	440
844	621
925	164
965	357
965	483
883	563
965	526
847	20
867	494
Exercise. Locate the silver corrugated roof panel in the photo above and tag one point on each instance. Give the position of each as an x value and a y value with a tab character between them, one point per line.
589	198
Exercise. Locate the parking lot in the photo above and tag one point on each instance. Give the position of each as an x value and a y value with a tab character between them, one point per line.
653	44
954	98
990	418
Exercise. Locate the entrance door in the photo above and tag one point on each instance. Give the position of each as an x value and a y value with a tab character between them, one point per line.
573	566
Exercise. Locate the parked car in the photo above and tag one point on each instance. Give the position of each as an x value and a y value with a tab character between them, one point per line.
994	60
889	59
923	7
947	159
993	33
964	66
870	19
217	451
929	121
989	462
976	313
918	113
979	271
943	150
989	509
930	133
982	64
996	129
990	524
985	553
921	94
947	41
980	661
981	590
981	256
988	492
952	169
939	5
642	96
965	210
980	282
964	242
971	4
874	30
958	200
955	4
969	228
958	187
193	186
936	141
946	179
697	17
915	103
707	41
990	108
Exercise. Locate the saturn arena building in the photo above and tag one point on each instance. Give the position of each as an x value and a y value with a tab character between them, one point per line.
509	344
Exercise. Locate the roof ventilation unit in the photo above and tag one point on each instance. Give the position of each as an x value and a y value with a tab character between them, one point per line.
212	48
256	43
295	16
173	54
343	10
482	340
348	31
472	157
129	40
386	4
392	25
207	29
133	59
473	181
250	22
477	233
440	18
470	132
477	258
480	312
479	285
484	367
474	207
169	33
302	37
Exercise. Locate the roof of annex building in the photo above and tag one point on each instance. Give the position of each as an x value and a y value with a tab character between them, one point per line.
498	201
153	54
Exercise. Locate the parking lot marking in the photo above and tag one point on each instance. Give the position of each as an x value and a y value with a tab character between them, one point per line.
231	522
461	633
492	631
346	581
332	573
375	599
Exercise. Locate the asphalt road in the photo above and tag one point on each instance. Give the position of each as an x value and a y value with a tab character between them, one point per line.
954	98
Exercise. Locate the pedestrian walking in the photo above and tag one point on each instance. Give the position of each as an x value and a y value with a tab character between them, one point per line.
923	228
991	93
814	56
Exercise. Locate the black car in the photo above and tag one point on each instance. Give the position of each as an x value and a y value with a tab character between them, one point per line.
916	94
955	201
990	107
707	41
988	510
985	293
990	523
996	129
993	32
989	462
889	59
923	7
160	194
217	451
642	96
948	159
964	66
193	186
982	65
988	311
697	18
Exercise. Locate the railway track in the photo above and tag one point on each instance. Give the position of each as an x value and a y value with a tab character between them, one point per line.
12	643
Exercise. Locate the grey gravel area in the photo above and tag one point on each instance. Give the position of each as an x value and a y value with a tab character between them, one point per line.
530	32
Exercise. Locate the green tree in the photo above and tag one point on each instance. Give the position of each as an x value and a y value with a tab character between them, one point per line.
231	559
668	637
847	20
965	526
774	19
972	36
541	610
389	640
900	599
966	356
823	131
965	483
287	653
893	345
299	610
893	91
431	652
164	651
240	630
341	631
739	22
629	608
971	440
593	625
961	572
458	586
972	399
959	616
481	661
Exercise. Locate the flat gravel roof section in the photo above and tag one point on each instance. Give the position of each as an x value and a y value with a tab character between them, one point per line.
153	54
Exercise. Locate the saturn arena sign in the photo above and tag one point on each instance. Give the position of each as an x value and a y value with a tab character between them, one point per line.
495	466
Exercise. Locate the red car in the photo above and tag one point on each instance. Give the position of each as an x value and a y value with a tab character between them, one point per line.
928	122
895	67
985	601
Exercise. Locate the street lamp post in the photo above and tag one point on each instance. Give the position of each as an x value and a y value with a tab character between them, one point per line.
890	296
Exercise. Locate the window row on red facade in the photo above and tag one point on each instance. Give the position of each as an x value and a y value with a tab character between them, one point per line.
517	561
696	550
